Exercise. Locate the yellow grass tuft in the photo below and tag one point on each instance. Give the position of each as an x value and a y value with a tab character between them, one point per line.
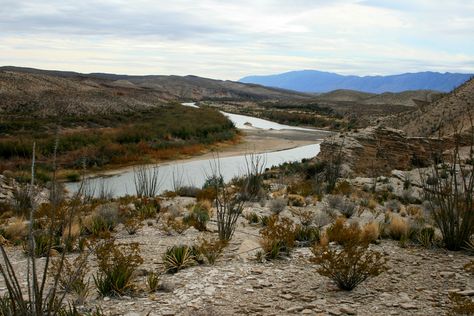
398	227
371	231
16	230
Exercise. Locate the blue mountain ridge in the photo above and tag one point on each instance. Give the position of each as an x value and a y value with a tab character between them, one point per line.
314	81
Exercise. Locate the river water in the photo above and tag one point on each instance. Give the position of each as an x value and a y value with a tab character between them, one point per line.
195	171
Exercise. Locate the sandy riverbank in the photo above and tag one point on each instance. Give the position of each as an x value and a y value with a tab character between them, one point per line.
253	141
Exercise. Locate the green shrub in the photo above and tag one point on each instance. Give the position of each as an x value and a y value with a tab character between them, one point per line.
177	258
73	177
117	264
198	217
306	235
152	281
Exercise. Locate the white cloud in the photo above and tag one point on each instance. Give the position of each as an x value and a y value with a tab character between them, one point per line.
231	39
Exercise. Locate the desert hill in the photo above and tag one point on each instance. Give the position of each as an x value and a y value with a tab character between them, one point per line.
443	116
26	90
405	98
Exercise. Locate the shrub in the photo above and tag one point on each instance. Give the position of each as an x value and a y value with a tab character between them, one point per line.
22	199
350	265
277	205
117	264
397	228
426	236
347	208
343	188
450	196
206	194
305	217
461	305
343	205
132	225
392	206
102	221
152	282
178	225
188	191
146	180
198	217
252	218
342	234
177	258
306	235
73	277
278	237
211	249
322	219
296	200
73	177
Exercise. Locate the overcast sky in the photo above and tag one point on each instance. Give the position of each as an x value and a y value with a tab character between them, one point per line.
231	39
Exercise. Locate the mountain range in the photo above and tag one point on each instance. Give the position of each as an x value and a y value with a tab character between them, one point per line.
313	81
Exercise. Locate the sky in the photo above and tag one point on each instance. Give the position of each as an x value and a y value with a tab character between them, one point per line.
231	39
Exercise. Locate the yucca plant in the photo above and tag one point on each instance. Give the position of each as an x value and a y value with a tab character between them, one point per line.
177	258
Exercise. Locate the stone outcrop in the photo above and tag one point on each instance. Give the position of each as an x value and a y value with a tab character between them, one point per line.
378	151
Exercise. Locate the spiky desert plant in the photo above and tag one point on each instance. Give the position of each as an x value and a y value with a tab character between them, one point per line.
449	191
40	296
147	180
177	258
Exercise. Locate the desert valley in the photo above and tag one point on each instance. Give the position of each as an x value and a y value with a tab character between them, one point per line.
300	192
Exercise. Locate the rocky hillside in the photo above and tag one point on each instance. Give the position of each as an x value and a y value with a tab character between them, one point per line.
444	116
406	98
377	150
24	90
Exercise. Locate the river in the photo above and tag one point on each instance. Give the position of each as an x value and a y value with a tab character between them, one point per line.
195	171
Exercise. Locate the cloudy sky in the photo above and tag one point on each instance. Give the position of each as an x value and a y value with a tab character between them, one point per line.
230	39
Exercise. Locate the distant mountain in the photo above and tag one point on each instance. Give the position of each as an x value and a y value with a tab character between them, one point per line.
313	81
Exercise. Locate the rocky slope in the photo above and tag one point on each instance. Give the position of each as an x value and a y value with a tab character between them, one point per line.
444	116
405	98
377	151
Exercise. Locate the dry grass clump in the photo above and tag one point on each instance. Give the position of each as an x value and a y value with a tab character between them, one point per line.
343	234
16	230
371	231
397	227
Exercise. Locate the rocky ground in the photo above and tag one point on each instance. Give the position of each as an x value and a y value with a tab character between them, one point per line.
417	282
